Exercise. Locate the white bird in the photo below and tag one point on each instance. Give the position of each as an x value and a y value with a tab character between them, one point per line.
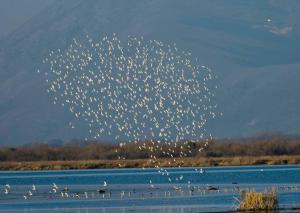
6	191
177	188
55	186
201	171
104	183
138	80
33	187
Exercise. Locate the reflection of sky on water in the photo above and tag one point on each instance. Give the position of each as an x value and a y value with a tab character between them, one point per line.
129	189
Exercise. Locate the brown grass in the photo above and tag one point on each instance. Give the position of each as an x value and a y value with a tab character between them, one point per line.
257	201
102	164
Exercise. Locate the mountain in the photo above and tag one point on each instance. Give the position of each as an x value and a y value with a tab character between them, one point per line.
253	47
14	13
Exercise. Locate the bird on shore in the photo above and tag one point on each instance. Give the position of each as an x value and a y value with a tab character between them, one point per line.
212	188
66	189
7	189
200	171
151	184
101	191
177	188
122	194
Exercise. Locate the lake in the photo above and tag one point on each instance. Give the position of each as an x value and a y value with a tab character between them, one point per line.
144	190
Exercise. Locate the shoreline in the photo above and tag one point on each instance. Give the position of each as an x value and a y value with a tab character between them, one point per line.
148	163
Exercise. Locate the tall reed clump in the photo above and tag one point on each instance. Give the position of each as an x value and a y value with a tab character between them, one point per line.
255	201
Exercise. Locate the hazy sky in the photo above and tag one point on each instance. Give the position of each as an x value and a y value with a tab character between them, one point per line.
13	13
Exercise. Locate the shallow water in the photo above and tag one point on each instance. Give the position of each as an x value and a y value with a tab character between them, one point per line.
145	190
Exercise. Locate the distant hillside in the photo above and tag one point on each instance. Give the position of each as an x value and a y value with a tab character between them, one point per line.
257	60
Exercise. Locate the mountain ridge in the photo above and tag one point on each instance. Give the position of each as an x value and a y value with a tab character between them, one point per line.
250	61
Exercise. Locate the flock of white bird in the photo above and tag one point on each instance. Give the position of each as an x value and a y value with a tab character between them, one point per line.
56	190
133	91
7	190
104	191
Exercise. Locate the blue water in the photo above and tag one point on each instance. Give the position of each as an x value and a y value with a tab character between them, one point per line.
145	190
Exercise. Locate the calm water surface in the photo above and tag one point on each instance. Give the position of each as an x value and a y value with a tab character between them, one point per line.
145	190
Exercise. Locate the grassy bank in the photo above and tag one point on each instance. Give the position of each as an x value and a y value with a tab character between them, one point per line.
101	164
